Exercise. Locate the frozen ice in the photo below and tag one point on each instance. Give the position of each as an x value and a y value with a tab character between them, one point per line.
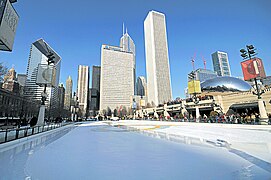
96	150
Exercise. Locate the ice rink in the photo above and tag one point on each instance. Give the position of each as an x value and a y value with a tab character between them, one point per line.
125	150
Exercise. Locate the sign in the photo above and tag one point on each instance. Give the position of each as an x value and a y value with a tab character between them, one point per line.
8	24
194	87
142	103
46	75
253	68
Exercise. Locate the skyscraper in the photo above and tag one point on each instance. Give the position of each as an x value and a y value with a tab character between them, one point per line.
21	79
221	63
203	75
127	44
141	86
38	55
157	61
117	77
82	88
61	98
94	92
96	76
68	94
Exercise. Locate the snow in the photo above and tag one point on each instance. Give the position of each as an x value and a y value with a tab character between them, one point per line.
95	150
252	139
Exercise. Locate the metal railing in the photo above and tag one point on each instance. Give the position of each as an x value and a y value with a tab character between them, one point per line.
17	133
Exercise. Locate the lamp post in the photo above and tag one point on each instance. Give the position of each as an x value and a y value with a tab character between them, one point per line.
50	60
248	53
195	99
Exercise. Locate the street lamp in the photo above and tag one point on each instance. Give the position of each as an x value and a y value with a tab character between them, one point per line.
248	53
195	99
50	60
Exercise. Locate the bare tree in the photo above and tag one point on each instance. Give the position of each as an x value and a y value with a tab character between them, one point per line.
3	71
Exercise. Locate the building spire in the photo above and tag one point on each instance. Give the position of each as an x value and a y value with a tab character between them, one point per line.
122	28
126	31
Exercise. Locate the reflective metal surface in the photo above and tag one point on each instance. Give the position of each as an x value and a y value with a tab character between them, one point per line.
225	83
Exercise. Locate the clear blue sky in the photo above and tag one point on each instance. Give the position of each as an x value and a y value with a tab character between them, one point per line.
77	29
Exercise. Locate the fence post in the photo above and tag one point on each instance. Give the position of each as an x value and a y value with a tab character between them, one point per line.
6	136
25	132
17	134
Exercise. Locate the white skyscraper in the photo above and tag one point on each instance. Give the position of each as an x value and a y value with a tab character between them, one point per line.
82	88
117	77
157	61
221	63
38	55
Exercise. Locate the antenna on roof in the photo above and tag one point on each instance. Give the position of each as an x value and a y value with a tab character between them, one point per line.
122	28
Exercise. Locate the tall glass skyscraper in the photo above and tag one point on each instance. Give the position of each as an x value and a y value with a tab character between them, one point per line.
94	91
157	61
96	76
221	63
38	55
203	75
141	86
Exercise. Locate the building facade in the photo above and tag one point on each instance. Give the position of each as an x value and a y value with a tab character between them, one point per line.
68	94
38	55
266	81
94	91
141	86
82	89
203	75
21	78
221	63
117	77
127	44
10	82
13	105
61	97
96	76
157	61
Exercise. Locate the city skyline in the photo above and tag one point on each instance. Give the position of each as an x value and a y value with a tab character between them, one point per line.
188	33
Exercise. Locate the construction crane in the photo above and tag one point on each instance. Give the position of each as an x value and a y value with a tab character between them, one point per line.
204	62
193	62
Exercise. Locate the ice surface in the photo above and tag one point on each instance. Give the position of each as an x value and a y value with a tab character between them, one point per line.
98	151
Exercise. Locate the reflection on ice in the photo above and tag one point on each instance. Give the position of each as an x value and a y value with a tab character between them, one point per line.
14	157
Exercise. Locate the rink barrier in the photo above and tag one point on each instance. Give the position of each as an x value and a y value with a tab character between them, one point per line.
18	133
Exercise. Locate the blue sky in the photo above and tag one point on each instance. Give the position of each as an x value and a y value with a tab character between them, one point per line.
77	29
